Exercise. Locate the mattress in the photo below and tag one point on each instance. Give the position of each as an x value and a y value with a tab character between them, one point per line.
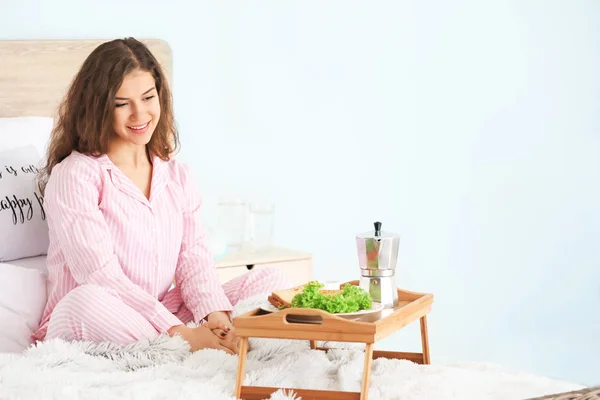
38	263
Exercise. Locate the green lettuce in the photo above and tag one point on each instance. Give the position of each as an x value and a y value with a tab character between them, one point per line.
351	299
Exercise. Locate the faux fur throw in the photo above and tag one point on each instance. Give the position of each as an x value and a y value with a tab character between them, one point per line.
164	369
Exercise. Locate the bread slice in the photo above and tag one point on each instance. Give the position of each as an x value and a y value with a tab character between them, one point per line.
283	298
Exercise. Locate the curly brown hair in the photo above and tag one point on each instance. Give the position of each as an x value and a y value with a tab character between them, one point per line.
85	115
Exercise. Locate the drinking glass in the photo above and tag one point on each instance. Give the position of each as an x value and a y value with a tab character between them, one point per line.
232	215
261	218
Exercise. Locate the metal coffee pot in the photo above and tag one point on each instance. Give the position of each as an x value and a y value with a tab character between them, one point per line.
377	257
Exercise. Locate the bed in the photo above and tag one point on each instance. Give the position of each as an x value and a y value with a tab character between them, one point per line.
33	78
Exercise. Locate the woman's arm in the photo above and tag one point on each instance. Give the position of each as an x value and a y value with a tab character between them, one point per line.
71	202
196	273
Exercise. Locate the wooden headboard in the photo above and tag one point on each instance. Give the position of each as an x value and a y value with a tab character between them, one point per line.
35	74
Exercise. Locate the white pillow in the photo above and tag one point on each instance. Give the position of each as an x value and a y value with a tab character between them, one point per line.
23	227
18	132
23	297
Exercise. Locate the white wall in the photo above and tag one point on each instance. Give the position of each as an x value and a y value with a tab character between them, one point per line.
469	127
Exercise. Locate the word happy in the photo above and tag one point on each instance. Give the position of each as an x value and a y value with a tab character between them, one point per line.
22	208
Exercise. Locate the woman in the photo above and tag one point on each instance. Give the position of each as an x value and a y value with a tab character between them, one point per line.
124	217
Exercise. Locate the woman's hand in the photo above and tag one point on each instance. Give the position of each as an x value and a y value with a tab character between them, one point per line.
203	337
221	318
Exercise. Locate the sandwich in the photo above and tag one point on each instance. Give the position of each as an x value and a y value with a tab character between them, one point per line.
283	298
312	295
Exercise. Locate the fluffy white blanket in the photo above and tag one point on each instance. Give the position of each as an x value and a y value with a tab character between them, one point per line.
164	369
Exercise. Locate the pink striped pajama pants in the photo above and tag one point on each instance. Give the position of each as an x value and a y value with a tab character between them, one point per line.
91	312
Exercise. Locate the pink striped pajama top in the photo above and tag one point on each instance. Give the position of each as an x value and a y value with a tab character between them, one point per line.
104	231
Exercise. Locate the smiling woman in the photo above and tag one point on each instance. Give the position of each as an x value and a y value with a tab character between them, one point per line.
124	216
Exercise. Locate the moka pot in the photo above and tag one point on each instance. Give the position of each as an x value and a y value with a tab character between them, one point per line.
377	258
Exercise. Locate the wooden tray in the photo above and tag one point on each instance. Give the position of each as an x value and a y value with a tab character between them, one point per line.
317	325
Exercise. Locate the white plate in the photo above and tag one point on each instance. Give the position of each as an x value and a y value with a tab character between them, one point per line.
375	308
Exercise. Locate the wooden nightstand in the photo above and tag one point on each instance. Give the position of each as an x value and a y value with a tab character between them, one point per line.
298	266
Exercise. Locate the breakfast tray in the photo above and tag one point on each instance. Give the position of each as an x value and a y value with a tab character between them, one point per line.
317	325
